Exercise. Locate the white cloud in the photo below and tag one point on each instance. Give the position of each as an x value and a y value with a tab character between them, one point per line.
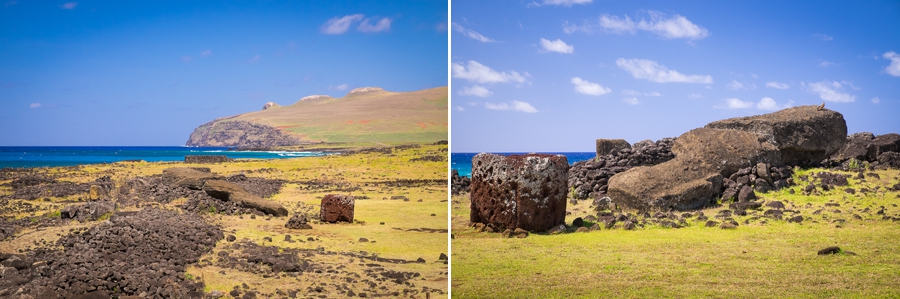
9	3
459	108
383	25
205	53
734	103
876	100
34	105
695	95
513	105
255	58
614	24
826	63
831	91
674	27
777	85
477	90
894	68
566	2
476	72
655	72
754	76
340	25
735	85
589	88
629	92
339	87
69	5
472	34
631	101
823	37
557	46
768	103
187	58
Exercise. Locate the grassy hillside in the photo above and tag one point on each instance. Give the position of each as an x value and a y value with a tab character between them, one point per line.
762	258
360	118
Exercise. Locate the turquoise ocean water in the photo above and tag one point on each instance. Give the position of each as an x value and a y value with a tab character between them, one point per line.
42	156
462	162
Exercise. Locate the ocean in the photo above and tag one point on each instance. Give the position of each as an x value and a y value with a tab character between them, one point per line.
44	156
462	162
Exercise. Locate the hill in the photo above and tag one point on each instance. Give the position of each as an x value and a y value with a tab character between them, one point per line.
365	116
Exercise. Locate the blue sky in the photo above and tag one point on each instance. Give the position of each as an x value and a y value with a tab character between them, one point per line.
149	72
555	75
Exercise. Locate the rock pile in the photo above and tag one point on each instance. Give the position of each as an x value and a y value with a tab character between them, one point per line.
202	159
298	221
459	184
883	150
762	177
143	254
590	178
336	208
519	191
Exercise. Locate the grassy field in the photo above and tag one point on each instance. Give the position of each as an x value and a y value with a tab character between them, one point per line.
368	118
761	258
397	229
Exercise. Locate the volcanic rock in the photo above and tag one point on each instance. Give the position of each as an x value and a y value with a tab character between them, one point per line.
229	191
298	221
336	208
695	177
519	191
201	159
191	178
87	211
611	146
805	135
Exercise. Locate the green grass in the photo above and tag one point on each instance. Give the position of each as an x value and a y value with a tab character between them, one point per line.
773	260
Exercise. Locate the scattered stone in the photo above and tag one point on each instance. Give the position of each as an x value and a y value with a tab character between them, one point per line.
298	221
830	250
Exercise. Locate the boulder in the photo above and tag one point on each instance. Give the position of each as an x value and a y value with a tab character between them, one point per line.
519	191
704	157
191	178
805	135
882	144
228	191
610	146
336	208
889	159
856	147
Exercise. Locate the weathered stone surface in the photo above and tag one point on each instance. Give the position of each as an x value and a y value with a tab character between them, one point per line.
805	135
336	208
459	184
87	211
519	191
590	178
882	144
228	191
298	221
856	147
611	146
188	177
200	159
704	157
889	159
